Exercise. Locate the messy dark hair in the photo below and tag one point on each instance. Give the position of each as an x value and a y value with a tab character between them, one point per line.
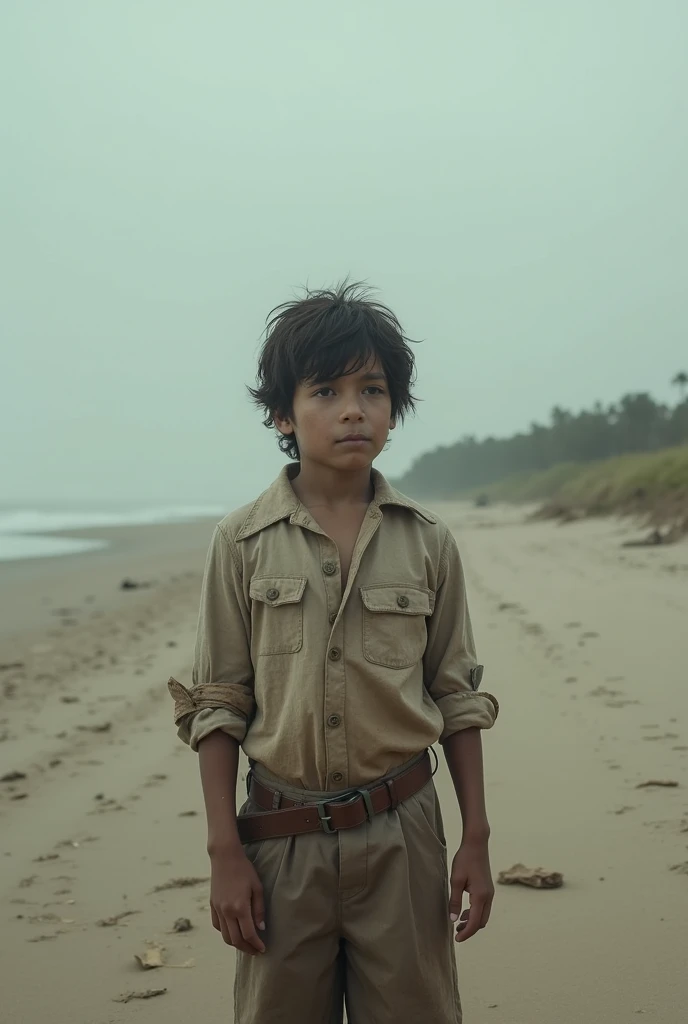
322	336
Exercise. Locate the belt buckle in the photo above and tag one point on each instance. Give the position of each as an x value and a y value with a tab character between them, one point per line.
348	798
325	819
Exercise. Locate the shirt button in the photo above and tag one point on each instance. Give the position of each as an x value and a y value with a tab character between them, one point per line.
332	616
333	721
337	777
329	568
403	601
272	594
335	654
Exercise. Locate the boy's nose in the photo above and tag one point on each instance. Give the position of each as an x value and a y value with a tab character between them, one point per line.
352	411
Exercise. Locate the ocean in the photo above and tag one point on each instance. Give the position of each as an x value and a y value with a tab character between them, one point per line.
31	532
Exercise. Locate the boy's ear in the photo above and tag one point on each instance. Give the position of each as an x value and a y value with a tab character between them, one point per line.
392	424
283	423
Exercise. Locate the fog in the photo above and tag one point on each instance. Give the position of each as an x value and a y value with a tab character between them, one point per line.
512	177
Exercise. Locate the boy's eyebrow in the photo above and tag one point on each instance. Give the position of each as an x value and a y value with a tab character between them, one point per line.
374	376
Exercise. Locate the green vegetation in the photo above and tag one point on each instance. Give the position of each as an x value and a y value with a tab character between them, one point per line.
631	457
653	484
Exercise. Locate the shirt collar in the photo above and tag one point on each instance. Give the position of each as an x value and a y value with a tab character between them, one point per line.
280	502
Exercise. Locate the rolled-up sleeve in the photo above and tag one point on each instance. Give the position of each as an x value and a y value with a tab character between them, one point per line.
221	695
451	670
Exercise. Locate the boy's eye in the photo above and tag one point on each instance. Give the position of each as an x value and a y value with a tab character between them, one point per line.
324	392
375	389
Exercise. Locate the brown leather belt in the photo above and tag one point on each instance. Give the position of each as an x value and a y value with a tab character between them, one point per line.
347	811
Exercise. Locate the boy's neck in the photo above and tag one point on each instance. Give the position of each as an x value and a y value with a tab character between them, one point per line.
319	486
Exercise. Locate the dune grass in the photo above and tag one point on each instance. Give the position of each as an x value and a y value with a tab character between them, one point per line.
654	483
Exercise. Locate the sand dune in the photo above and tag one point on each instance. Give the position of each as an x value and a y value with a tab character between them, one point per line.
102	833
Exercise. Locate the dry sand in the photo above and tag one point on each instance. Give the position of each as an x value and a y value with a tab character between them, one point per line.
586	646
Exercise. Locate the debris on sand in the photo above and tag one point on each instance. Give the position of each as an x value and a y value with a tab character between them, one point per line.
187	814
536	878
652	539
76	843
182	924
681	869
151	957
666	783
10	666
180	883
12	776
103	727
128	584
150	993
111	922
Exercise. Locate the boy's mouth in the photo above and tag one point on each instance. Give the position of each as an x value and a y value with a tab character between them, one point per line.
353	439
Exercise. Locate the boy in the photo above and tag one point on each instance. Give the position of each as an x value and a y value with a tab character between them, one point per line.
334	645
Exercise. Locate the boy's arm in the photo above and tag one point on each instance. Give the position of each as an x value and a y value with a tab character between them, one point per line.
218	758
451	671
471	870
221	696
212	717
452	677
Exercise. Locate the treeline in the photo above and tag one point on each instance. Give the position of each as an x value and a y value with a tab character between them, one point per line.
636	423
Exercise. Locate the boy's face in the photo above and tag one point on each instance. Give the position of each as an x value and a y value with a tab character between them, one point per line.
342	424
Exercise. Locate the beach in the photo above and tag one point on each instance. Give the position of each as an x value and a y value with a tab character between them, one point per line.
102	832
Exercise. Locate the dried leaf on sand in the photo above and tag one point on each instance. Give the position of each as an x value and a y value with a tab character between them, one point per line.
150	993
667	783
151	957
536	878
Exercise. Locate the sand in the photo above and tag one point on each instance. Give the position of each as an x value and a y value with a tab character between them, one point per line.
586	646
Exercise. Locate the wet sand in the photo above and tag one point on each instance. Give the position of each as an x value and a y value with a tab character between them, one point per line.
586	647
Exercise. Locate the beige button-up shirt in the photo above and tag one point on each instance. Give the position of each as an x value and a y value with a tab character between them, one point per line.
331	690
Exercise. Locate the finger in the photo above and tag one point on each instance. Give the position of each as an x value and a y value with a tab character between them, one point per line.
215	918
475	915
486	912
258	908
224	928
249	933
456	900
236	938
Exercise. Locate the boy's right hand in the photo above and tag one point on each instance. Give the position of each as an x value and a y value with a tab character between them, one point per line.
237	907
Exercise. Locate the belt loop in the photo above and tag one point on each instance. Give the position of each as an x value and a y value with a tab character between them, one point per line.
431	750
391	789
249	777
276	800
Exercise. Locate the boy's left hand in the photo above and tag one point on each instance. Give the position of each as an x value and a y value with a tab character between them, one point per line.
471	873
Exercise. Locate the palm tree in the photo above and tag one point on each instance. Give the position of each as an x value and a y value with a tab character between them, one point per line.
681	382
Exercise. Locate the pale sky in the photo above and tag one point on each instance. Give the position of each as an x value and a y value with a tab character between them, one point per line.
511	174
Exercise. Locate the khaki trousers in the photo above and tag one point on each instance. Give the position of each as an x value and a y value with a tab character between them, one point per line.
358	918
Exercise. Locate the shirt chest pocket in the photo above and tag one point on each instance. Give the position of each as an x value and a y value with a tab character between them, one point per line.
394	627
277	613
